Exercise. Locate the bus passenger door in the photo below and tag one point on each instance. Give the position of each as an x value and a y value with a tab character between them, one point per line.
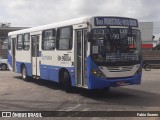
35	55
81	58
13	54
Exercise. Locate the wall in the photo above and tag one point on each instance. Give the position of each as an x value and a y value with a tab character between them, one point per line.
146	29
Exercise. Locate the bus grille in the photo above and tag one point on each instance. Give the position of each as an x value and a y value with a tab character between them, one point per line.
120	68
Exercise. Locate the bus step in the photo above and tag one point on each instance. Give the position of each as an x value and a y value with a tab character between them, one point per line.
34	77
82	86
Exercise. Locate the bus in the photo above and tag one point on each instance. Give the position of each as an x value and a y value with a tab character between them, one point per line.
95	52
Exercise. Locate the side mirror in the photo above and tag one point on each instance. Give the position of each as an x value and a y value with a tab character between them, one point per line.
89	36
129	34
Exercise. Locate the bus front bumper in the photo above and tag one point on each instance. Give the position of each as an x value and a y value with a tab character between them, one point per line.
100	83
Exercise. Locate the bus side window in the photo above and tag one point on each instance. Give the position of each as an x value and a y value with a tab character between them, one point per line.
19	42
9	43
26	42
48	39
64	38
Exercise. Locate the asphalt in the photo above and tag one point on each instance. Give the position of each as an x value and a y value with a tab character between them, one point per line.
42	95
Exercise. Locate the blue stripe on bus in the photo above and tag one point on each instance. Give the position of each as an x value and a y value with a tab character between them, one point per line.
27	65
99	83
9	58
47	72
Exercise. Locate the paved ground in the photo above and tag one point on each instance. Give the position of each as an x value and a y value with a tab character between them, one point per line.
16	94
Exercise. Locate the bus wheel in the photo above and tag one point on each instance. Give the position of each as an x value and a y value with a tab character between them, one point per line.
66	82
3	67
24	73
107	89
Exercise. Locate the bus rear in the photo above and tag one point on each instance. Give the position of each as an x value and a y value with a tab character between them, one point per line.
115	52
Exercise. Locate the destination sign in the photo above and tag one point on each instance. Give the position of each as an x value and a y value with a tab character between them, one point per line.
115	21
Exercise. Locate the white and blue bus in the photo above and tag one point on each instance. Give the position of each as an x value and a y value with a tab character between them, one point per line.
90	52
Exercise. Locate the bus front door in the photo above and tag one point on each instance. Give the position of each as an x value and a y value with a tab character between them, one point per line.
35	55
81	57
13	54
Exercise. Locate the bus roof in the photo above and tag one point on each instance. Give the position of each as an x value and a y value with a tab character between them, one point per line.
50	26
98	21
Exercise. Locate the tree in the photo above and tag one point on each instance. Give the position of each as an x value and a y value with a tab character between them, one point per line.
157	47
2	24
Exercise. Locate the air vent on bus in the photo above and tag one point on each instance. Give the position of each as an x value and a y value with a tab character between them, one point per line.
120	68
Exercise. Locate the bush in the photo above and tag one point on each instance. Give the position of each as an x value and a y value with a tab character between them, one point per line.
157	47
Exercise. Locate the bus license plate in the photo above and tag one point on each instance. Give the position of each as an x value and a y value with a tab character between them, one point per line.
122	83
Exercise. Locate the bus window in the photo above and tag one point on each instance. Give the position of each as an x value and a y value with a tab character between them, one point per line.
19	42
48	39
26	41
9	43
64	38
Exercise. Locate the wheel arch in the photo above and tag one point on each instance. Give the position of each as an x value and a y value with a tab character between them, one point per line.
61	72
2	64
21	66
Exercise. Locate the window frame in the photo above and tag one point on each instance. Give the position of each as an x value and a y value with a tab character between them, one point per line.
9	43
18	42
26	41
42	43
70	39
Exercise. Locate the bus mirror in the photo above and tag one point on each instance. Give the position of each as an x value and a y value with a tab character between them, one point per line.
89	36
129	34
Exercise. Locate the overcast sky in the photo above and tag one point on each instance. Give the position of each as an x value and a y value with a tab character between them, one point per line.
39	12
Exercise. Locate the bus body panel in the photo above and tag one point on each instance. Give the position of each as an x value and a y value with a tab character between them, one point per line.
100	83
9	55
26	64
50	73
50	62
95	82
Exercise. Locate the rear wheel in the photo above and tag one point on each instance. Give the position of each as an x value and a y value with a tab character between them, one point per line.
24	73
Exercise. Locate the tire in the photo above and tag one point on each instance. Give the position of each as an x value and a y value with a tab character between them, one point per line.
107	89
147	67
3	67
24	73
66	82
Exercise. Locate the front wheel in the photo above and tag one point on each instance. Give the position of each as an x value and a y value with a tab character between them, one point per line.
66	82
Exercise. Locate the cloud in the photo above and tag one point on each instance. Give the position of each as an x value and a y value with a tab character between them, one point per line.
38	12
35	12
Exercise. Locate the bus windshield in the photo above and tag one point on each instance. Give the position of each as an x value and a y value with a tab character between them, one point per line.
112	45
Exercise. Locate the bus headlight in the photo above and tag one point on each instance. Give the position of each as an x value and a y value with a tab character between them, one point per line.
98	73
94	72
